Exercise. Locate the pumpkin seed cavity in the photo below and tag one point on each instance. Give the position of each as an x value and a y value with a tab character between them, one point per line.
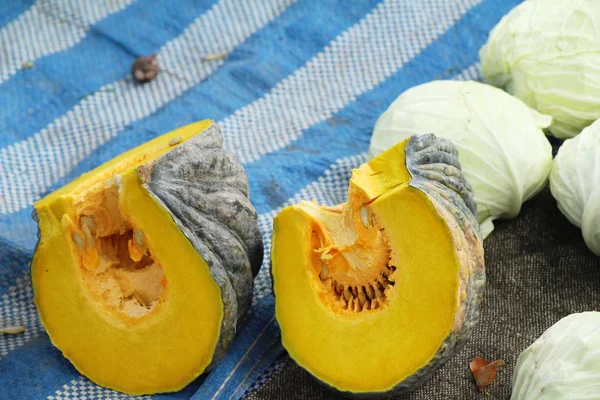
115	262
352	259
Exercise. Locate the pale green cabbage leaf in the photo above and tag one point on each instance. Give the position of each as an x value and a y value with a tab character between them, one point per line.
547	53
501	146
575	183
563	364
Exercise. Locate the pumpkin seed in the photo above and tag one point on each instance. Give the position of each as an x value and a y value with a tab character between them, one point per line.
339	288
367	306
392	276
373	222
12	330
370	292
88	235
78	241
324	272
89	222
362	298
364	216
175	140
139	238
347	294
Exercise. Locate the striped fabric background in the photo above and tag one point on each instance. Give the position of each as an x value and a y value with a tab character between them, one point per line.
297	97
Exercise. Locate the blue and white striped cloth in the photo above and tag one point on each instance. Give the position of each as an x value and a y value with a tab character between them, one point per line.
297	97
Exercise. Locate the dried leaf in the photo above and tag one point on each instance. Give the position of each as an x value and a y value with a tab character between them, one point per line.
12	330
484	371
145	68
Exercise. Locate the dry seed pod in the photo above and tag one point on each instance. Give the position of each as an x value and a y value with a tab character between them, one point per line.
144	69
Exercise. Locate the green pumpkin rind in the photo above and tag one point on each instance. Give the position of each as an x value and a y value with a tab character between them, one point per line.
435	170
205	189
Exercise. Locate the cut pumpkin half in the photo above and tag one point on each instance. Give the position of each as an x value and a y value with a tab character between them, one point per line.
144	266
373	295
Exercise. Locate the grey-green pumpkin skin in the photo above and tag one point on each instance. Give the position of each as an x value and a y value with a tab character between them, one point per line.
435	170
205	189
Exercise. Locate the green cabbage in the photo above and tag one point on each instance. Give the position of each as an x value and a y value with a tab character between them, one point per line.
563	364
547	53
575	183
501	146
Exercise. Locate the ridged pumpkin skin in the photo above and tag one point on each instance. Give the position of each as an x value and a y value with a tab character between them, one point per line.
205	189
428	294
157	250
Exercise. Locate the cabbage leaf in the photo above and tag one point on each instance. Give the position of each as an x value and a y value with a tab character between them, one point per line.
575	183
547	53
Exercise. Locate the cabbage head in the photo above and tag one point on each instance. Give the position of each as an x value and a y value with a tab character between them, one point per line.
563	364
547	53
501	146
575	183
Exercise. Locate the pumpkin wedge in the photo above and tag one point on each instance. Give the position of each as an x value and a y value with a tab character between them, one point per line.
144	267
373	295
